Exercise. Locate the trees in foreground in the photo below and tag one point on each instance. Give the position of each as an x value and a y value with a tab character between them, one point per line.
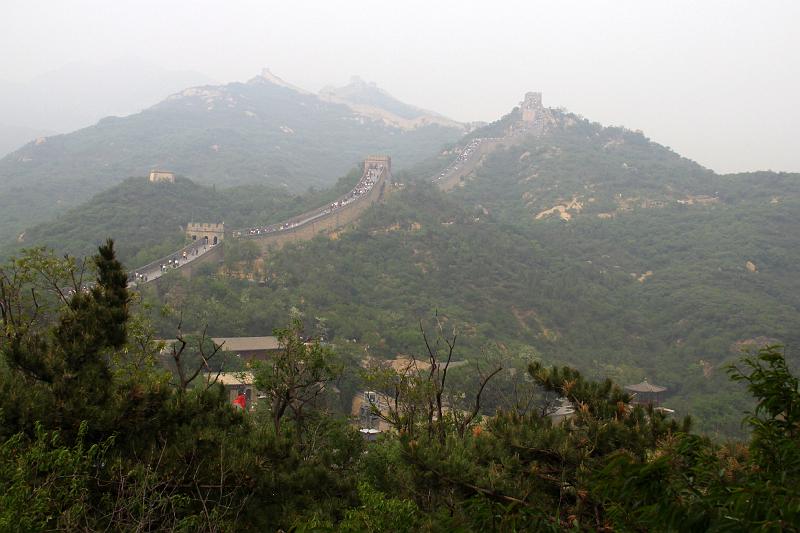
94	434
97	436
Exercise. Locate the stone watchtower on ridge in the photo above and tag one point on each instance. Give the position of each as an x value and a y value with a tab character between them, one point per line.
157	176
214	233
378	160
531	107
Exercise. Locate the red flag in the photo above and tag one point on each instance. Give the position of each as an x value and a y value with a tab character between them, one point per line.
240	402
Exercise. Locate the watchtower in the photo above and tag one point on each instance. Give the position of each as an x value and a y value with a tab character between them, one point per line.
374	161
213	233
531	106
162	176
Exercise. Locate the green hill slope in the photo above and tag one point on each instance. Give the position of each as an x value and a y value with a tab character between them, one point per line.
589	246
654	267
147	219
263	132
513	292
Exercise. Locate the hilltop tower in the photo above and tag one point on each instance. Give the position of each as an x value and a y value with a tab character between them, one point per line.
531	107
157	176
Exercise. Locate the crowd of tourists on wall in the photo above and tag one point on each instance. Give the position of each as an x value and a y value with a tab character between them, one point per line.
462	158
368	180
173	261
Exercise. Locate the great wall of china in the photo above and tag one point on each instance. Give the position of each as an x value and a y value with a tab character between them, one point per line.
207	240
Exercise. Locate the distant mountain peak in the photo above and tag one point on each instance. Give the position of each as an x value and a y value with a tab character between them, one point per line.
359	82
268	76
262	131
369	100
360	89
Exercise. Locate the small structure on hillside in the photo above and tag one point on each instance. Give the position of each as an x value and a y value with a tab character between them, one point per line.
212	232
369	409
237	383
160	176
250	348
246	348
645	393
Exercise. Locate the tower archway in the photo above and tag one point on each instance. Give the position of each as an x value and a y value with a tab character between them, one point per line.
210	232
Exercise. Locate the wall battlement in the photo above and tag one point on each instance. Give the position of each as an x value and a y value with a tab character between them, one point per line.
213	232
377	160
159	176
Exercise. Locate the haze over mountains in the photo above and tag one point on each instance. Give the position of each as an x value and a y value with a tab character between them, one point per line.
263	131
504	278
79	94
370	100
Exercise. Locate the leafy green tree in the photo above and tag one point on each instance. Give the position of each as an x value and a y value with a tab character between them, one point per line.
295	379
68	362
142	453
47	484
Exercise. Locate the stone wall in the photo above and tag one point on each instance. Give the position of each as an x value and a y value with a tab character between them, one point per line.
213	256
457	177
335	220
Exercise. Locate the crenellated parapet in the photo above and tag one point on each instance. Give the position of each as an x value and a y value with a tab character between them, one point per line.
378	161
214	233
161	176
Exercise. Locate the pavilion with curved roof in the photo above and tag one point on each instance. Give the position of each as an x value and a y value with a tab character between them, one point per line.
645	393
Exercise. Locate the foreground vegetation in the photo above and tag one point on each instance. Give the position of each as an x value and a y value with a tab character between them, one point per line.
96	435
544	291
638	283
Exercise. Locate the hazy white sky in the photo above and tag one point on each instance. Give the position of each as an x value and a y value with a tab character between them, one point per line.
718	81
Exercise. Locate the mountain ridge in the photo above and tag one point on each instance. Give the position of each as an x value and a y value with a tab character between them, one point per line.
262	131
370	100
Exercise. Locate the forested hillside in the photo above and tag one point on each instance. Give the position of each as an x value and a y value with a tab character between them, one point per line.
589	246
551	292
149	219
96	435
566	266
261	132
